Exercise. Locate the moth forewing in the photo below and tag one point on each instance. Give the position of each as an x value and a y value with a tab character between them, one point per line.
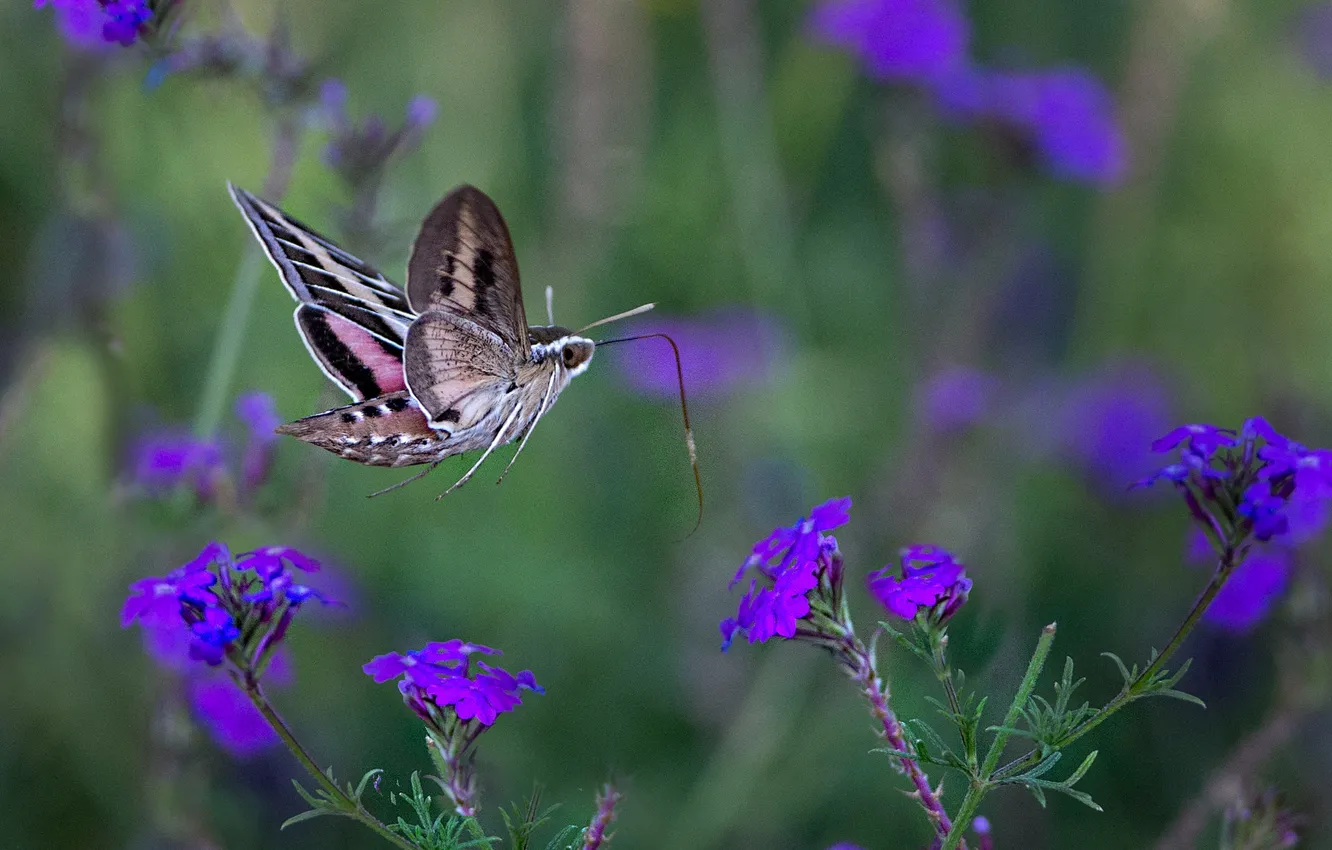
448	367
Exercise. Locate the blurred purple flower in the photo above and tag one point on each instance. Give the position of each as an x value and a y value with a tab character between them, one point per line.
166	459
89	24
1067	113
258	412
1070	116
228	714
954	398
720	352
1109	419
901	40
845	845
1251	590
928	578
1313	32
422	110
232	720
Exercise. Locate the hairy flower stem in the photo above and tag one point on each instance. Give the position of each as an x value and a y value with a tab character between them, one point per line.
349	807
596	836
1225	566
980	783
863	670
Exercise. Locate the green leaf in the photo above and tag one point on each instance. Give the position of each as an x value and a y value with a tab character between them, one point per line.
310	815
1180	695
365	780
1123	670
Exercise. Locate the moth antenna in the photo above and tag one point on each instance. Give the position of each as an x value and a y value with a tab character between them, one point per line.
626	314
422	474
684	405
550	305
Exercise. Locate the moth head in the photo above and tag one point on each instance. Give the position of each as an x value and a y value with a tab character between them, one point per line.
575	353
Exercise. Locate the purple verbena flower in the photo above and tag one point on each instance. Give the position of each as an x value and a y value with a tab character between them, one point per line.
721	352
928	580
230	717
213	595
899	40
422	111
1251	590
796	544
89	24
1241	486
954	398
1108	419
799	581
457	700
1313	33
167	459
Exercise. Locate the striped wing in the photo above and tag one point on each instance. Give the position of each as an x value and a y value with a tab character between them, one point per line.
353	321
463	263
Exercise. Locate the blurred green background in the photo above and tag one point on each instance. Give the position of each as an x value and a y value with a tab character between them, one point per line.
703	156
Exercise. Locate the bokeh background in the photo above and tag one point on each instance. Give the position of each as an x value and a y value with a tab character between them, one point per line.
878	295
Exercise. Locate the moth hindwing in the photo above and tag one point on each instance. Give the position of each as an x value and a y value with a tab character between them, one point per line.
449	366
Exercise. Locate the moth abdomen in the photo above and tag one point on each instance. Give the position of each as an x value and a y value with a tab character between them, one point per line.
388	430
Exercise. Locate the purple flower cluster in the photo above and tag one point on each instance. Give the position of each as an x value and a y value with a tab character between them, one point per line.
233	609
457	700
359	151
166	459
792	562
954	398
90	23
1242	486
1066	113
798	590
439	679
928	580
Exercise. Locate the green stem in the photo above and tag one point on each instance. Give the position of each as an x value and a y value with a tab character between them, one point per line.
231	334
1131	691
227	346
349	807
980	784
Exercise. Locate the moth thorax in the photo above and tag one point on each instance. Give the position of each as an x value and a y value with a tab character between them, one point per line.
572	352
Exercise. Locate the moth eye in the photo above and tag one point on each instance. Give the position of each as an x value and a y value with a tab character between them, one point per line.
570	357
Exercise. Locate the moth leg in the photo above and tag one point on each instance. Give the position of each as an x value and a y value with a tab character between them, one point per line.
422	474
499	438
541	411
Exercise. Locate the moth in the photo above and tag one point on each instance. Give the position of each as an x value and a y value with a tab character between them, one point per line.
447	367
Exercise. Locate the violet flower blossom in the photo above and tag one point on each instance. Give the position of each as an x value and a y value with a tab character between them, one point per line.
1109	419
1065	113
235	610
797	594
899	40
1239	486
89	24
166	459
720	352
928	581
954	398
457	700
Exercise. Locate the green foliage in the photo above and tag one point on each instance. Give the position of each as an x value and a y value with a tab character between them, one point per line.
442	831
522	822
324	802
